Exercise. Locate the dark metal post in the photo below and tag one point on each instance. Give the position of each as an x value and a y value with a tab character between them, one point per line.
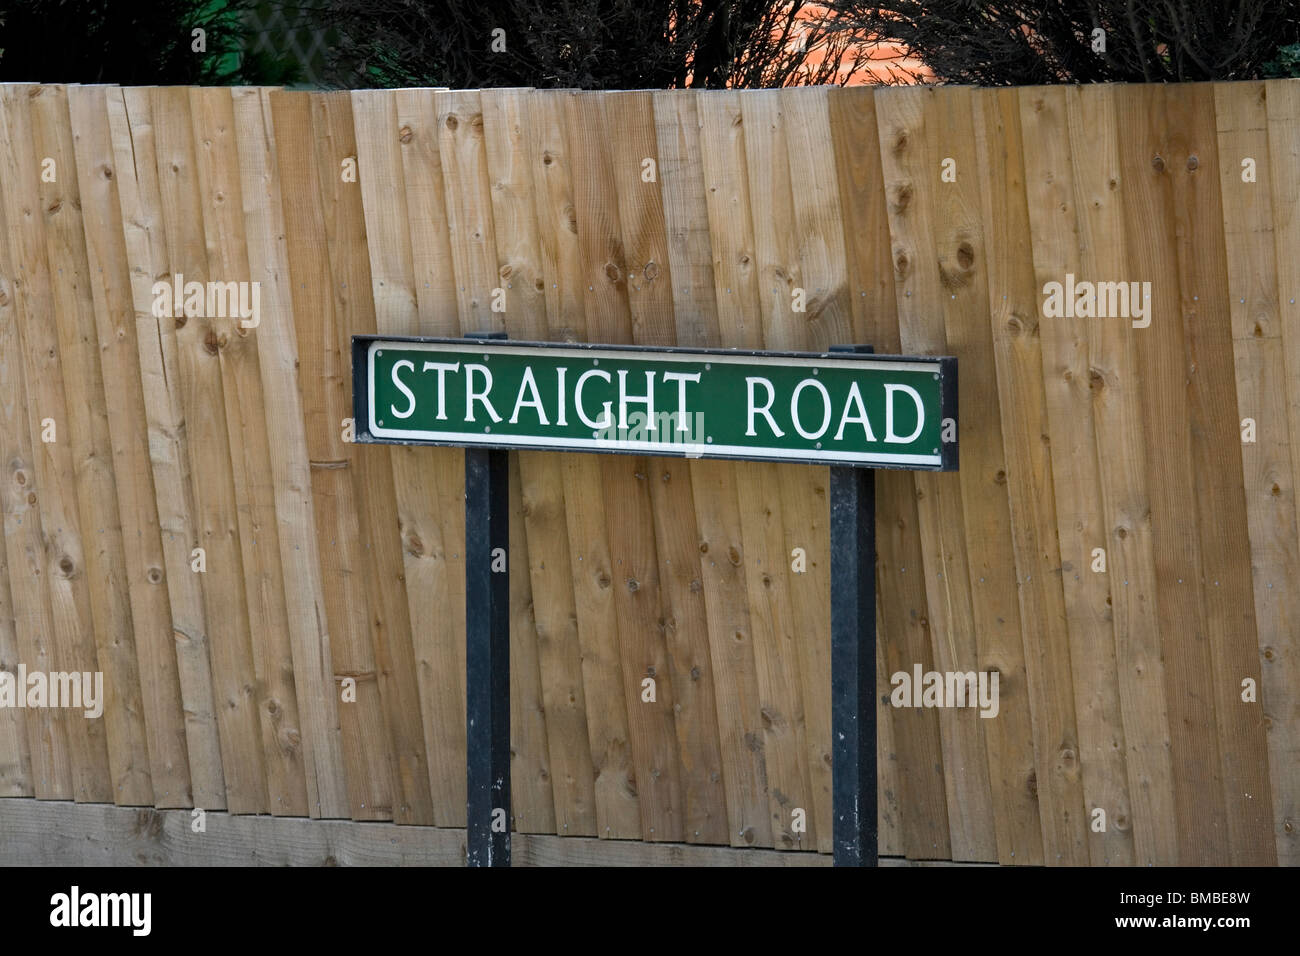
487	655
853	661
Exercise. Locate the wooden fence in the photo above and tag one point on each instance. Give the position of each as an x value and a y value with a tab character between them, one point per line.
1119	545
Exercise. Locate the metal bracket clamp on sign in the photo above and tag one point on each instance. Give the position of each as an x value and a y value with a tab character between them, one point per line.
847	408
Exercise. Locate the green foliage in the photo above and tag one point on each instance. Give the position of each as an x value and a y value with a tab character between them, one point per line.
140	42
1287	62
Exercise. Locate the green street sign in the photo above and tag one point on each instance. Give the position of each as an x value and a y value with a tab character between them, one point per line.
834	408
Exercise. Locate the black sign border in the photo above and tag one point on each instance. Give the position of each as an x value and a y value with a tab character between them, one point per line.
948	453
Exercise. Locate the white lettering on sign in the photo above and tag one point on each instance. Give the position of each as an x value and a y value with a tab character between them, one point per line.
442	368
529	383
401	387
890	435
472	396
826	409
765	410
560	373
819	413
607	420
624	399
855	396
681	378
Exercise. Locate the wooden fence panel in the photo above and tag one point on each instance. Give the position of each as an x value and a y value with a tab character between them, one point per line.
436	536
48	737
1117	417
914	771
911	163
130	116
30	203
1057	680
141	553
1120	545
1280	659
1153	151
1017	356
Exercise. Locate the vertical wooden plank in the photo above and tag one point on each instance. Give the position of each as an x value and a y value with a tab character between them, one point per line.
15	756
716	485
16	749
1217	453
1280	660
729	682
776	654
48	744
531	795
346	484
469	208
827	318
322	747
436	537
595	205
826	321
773	500
633	158
380	527
426	213
776	249
971	592
559	651
906	119
216	509
479	285
1016	346
388	240
217	157
731	648
1068	382
889	808
805	510
130	115
686	626
520	266
323	380
964	253
684	621
506	135
563	487
1150	153
631	573
90	446
686	217
557	223
642	644
141	552
609	712
385	536
917	774
731	228
62	560
1117	419
1026	799
554	168
380	144
732	676
985	512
